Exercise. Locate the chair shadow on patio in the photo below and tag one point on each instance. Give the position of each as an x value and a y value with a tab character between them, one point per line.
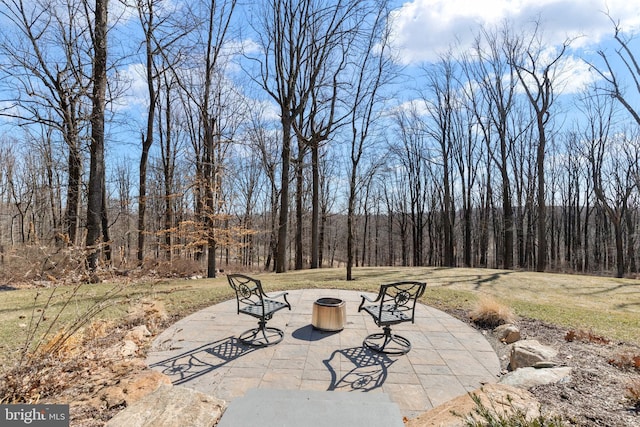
369	372
198	362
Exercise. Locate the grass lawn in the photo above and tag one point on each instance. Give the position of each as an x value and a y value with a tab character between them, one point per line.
605	306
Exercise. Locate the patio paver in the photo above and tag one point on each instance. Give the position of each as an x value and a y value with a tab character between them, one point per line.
447	359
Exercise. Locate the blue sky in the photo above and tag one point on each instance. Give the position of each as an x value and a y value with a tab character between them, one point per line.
422	29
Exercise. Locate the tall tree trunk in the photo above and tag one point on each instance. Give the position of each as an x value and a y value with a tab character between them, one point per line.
299	208
507	211
74	165
283	219
147	140
316	241
449	260
351	223
97	170
210	209
104	218
168	172
142	199
541	263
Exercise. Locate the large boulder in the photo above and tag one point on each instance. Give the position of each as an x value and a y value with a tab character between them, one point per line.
170	406
530	377
527	353
129	389
498	397
140	334
142	383
507	333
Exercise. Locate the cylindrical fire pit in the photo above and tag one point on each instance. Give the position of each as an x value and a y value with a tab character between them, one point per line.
329	314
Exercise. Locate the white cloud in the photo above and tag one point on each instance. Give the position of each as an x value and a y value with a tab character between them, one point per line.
422	29
137	95
576	75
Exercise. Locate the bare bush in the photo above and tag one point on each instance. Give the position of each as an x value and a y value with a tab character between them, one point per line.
52	352
489	313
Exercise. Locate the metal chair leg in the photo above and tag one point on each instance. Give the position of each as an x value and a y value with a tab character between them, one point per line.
262	336
387	342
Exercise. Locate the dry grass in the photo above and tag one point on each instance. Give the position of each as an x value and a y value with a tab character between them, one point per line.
489	313
606	307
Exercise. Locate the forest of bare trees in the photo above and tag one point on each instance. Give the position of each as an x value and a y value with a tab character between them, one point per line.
285	135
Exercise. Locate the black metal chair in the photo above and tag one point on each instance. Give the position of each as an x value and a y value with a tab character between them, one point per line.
252	300
395	303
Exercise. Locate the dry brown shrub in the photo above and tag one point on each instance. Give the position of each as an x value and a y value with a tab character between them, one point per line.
62	346
42	265
29	383
626	361
53	354
585	336
177	268
489	313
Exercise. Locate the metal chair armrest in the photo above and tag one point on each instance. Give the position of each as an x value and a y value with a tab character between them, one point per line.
282	295
365	299
278	295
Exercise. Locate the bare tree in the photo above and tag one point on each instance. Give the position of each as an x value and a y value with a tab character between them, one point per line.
283	36
328	168
170	143
320	119
612	159
265	143
538	75
615	78
411	154
578	207
47	48
440	127
124	180
297	39
202	93
372	67
466	153
153	49
493	103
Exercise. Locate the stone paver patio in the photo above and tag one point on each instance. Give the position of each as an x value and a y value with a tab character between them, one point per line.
447	359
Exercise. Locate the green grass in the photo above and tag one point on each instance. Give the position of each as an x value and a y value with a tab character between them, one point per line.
606	306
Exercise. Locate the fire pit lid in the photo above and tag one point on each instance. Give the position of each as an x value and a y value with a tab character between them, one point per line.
329	301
